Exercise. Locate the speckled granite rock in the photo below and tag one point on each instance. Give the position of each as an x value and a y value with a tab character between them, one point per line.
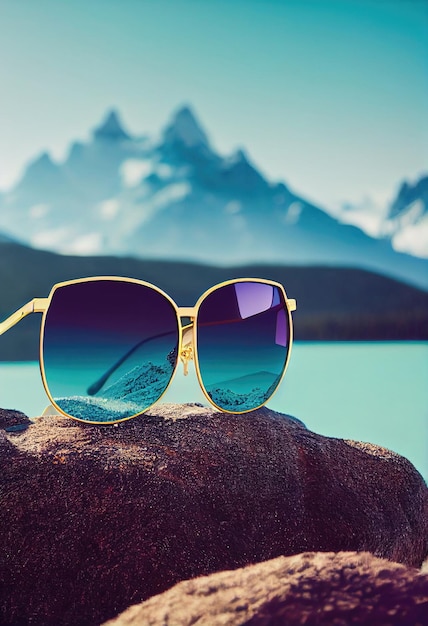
315	588
93	519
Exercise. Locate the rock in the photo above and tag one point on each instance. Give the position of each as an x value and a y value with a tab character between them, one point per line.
95	518
13	420
321	588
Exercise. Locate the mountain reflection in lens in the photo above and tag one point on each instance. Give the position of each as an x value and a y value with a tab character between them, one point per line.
243	339
109	348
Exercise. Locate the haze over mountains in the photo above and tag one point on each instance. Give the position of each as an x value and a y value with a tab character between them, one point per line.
175	198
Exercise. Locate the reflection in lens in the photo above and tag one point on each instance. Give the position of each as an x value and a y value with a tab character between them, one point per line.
109	348
243	338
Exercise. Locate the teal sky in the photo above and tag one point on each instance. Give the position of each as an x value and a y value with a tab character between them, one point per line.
329	96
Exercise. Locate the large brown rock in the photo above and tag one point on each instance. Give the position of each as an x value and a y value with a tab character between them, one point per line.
315	588
93	519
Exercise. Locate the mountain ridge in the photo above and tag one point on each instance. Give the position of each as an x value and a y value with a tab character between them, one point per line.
176	198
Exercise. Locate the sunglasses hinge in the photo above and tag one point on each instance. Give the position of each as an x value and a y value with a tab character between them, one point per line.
36	305
39	304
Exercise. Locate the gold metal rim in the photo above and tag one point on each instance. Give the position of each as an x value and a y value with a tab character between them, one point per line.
42	332
290	325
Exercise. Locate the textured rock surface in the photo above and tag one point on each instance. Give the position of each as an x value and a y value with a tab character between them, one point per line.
314	588
93	519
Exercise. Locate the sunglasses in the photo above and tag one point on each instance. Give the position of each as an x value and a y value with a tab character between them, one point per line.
110	346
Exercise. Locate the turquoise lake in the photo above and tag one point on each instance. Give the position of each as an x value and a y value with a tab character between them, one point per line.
375	392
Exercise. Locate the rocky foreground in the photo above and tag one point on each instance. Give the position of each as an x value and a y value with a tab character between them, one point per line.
314	588
94	519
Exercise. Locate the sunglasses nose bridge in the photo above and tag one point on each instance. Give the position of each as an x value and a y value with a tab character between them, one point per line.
187	349
187	342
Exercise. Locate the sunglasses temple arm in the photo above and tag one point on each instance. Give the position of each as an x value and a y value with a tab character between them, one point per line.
36	305
98	384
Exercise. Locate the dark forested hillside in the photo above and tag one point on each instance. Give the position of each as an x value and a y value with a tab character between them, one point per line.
332	303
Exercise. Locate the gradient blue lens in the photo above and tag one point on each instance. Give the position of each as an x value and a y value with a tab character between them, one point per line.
243	336
109	348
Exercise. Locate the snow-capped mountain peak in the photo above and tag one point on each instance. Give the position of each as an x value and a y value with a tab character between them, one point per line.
185	130
407	195
111	128
41	174
240	173
407	222
43	163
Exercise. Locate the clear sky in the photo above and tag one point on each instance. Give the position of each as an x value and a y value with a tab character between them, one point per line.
329	96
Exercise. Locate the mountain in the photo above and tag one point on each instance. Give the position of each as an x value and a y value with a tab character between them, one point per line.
407	196
176	198
111	129
4	238
403	220
407	220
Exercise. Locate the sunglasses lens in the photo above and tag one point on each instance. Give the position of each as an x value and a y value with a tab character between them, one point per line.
243	344
109	348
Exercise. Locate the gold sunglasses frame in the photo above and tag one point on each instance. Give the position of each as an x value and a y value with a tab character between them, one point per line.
187	339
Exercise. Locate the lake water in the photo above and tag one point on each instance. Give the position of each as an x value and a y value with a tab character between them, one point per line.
376	392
